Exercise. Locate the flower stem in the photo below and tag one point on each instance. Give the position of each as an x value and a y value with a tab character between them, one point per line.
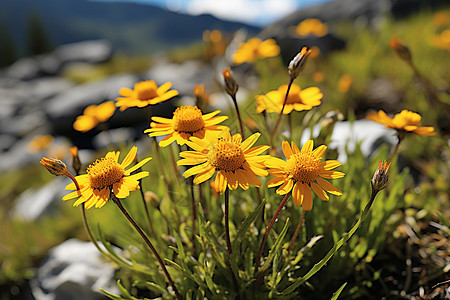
238	115
227	227
227	237
147	241
400	138
146	210
291	80
261	248
294	237
194	212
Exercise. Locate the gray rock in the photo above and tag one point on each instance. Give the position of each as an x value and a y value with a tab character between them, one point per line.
73	270
65	106
33	67
346	135
34	203
182	76
94	51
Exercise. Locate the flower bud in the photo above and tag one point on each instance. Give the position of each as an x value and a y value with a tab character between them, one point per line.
298	62
76	163
381	176
152	199
400	49
231	87
54	166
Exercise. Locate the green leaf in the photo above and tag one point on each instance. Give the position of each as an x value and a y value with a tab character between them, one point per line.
338	292
276	246
327	257
245	225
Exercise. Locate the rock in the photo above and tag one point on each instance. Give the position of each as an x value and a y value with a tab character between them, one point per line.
73	270
182	76
93	52
34	203
63	108
346	135
33	67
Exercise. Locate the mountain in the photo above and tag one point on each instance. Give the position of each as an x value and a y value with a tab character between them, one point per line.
131	27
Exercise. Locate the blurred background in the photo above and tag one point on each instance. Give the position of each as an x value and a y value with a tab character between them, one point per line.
59	56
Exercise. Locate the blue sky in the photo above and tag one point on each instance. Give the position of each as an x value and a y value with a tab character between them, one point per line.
256	12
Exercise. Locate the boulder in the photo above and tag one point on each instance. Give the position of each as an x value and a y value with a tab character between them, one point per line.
73	270
34	203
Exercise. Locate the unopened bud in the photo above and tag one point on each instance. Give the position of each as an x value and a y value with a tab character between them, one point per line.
231	87
381	176
152	198
76	163
54	166
400	49
298	62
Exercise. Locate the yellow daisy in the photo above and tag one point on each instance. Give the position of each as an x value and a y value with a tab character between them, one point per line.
187	121
236	162
311	26
255	49
144	93
302	172
298	99
39	142
104	175
93	115
404	122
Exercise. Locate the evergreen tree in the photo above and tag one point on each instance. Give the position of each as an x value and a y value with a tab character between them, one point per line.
7	48
38	40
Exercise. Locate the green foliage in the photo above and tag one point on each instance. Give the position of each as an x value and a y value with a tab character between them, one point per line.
341	246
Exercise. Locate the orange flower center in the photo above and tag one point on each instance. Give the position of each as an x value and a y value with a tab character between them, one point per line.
188	119
226	156
303	167
407	118
145	91
104	173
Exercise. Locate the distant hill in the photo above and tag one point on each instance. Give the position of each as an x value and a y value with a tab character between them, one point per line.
131	27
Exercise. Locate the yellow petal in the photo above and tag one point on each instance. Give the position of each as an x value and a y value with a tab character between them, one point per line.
319	191
308	146
287	151
138	165
129	158
329	164
328	187
285	187
250	141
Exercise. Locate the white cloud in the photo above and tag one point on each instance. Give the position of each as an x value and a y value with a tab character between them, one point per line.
249	11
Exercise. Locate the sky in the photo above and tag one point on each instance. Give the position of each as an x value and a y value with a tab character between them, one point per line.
255	12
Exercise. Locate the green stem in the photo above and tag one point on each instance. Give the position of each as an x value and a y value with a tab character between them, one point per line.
291	80
227	226
297	230
149	244
261	248
238	115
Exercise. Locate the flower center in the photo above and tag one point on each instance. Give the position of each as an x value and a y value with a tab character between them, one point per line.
146	92
188	119
104	173
226	156
302	167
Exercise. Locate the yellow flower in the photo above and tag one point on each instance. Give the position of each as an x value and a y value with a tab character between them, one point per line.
255	49
104	175
93	115
345	83
298	99
405	121
302	172
441	40
144	93
311	26
236	162
39	142
187	121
